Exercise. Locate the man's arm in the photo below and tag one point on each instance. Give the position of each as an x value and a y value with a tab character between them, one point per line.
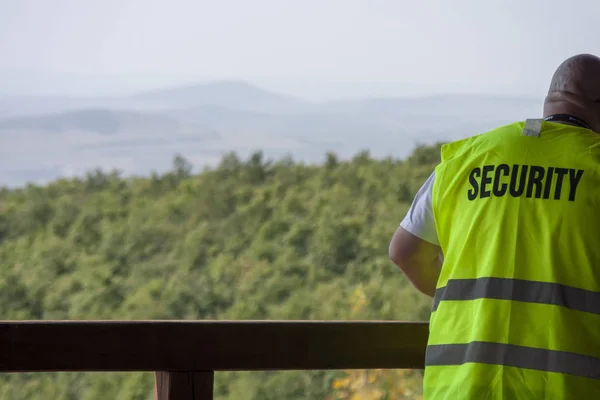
414	247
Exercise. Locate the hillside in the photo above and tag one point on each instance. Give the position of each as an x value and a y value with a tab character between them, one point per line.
42	148
249	239
99	121
231	94
236	116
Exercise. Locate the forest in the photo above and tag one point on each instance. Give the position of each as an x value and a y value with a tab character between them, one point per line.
248	239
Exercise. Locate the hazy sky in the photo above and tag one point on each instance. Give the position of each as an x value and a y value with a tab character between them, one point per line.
315	48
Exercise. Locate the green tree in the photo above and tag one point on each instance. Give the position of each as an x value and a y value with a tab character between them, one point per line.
249	239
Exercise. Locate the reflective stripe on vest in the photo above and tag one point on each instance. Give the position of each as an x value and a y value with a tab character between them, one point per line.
514	356
519	290
511	355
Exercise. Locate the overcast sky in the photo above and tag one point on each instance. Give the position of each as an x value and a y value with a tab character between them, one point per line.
313	48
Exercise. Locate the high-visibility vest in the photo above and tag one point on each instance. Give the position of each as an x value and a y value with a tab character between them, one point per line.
516	314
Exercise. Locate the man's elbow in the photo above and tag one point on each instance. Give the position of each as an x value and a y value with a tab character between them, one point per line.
395	255
401	249
417	259
405	264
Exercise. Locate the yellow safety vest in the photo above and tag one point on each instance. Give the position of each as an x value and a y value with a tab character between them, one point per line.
516	314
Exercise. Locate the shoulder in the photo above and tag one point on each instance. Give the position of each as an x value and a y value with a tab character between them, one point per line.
420	220
462	147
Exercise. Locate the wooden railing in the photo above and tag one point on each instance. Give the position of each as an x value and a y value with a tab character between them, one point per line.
185	354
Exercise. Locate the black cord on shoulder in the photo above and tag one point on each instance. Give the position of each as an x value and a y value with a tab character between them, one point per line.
567	118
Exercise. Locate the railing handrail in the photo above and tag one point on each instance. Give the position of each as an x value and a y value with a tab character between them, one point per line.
37	346
185	354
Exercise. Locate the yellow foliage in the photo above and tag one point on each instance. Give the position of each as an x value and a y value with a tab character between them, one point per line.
377	384
341	383
359	299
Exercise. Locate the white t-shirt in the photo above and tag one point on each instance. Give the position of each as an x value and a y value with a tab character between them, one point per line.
419	220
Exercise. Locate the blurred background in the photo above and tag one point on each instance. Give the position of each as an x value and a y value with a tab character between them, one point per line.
243	159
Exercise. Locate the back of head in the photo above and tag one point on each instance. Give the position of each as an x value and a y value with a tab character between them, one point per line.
575	90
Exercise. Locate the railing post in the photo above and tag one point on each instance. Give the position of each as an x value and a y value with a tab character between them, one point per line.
169	385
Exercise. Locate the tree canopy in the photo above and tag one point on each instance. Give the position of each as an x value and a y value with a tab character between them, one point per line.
248	239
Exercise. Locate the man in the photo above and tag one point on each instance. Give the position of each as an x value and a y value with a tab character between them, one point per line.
505	236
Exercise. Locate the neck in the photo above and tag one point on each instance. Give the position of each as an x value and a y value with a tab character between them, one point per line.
569	104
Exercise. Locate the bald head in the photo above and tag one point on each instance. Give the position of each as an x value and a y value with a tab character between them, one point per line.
579	75
575	89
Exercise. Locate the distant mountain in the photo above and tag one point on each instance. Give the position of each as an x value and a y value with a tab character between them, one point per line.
101	121
243	97
316	122
142	132
232	95
381	118
11	107
45	147
450	106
